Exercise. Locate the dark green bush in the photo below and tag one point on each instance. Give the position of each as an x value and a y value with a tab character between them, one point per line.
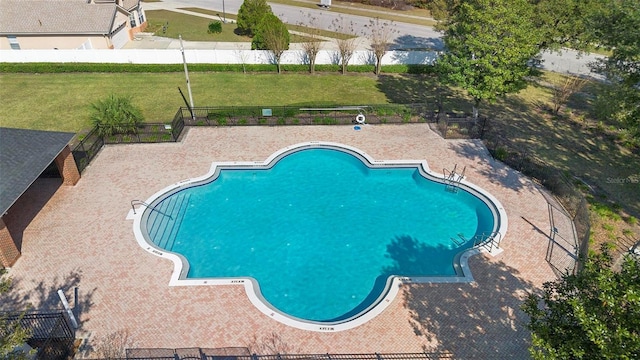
215	27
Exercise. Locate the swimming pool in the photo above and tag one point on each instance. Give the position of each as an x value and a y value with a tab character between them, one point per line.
319	231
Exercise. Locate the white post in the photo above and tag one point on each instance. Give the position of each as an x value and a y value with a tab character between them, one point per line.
66	306
186	74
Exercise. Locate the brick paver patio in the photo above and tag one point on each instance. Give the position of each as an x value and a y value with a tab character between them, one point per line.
79	236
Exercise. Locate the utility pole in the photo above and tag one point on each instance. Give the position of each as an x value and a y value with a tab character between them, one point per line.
186	74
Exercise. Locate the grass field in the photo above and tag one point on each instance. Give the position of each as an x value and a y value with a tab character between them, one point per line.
192	28
68	96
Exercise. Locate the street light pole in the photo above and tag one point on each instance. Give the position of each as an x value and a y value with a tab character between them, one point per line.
186	73
224	14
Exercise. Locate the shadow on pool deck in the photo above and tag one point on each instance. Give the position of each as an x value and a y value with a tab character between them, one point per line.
474	320
25	209
44	295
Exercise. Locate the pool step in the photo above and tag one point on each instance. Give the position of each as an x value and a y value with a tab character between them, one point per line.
164	224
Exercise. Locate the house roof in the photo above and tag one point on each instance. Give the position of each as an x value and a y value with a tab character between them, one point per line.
30	17
24	155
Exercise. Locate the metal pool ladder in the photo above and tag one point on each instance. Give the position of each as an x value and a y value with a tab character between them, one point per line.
140	202
452	178
489	241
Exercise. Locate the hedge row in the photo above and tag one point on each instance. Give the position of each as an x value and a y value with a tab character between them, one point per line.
164	68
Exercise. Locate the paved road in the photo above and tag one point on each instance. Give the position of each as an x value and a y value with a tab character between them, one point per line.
407	36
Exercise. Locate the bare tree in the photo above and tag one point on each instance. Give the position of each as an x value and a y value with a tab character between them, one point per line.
380	34
312	43
271	344
114	345
243	57
561	94
347	44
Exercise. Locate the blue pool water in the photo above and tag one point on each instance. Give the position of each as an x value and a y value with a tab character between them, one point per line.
320	231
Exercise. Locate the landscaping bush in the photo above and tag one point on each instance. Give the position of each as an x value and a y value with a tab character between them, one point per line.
44	68
215	27
116	115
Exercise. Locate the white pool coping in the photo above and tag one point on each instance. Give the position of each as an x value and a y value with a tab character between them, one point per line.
394	283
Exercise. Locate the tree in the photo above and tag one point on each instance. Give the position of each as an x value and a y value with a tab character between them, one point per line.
272	34
380	34
563	22
594	314
562	93
312	44
12	334
116	115
250	14
443	9
491	48
616	26
346	44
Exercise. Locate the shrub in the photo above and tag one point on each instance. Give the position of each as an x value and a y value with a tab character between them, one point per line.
215	27
116	115
501	153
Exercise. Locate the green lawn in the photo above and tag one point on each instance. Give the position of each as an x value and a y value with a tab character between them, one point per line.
62	101
192	28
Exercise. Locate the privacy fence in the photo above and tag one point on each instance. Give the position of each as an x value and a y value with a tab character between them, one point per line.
210	56
567	244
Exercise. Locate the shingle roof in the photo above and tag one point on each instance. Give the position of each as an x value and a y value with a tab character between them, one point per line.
130	4
24	155
19	17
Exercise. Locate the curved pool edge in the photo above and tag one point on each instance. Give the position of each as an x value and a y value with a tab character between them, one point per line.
394	283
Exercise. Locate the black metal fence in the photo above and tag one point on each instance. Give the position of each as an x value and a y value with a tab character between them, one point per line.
558	183
87	149
459	126
50	333
307	115
90	144
241	353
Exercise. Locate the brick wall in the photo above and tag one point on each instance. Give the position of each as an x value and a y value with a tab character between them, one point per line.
67	167
8	250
